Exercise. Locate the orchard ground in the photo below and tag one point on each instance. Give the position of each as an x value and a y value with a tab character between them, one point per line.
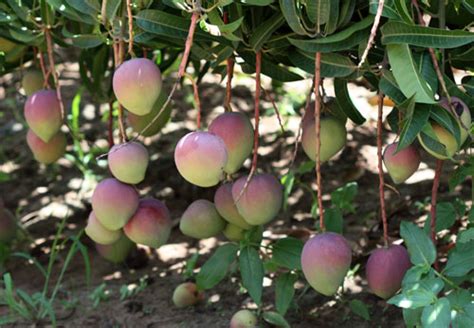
41	196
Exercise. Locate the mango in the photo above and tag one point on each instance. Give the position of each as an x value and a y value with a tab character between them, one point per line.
325	260
128	162
200	158
150	225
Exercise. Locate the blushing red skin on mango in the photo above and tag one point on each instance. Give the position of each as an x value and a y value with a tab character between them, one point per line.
244	319
333	138
325	260
114	203
186	294
46	152
43	114
236	131
385	270
261	201
201	220
138	123
137	84
200	158
8	225
128	162
226	207
32	81
401	165
150	225
118	251
98	233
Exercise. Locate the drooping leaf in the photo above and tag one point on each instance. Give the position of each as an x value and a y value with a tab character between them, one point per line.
460	261
345	103
437	315
287	253
215	269
360	308
346	39
420	246
276	319
284	291
407	74
251	271
332	64
398	32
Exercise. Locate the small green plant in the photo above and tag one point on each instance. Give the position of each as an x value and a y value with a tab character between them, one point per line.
127	291
99	294
42	305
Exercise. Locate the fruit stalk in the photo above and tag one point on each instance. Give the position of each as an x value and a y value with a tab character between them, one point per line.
130	27
49	46
373	32
197	101
383	213
275	107
434	196
111	125
230	75
317	119
43	70
118	58
258	61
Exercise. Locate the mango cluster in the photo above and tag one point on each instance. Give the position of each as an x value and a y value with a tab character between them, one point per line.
119	218
203	158
43	115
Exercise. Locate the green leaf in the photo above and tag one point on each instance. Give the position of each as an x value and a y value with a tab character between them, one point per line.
111	9
360	308
466	236
345	103
412	317
346	39
446	120
269	68
318	11
413	299
389	87
287	253
290	12
284	291
446	215
88	7
276	319
420	246
460	262
265	30
437	315
288	181
343	197
332	64
334	220
407	74
388	11
215	269
162	23
251	271
429	37
414	120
